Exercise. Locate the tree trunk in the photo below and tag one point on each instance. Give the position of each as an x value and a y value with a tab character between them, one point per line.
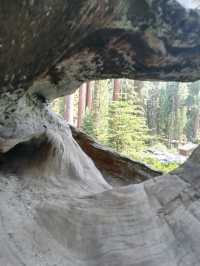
118	170
153	108
196	124
116	90
81	105
138	86
100	109
69	109
89	96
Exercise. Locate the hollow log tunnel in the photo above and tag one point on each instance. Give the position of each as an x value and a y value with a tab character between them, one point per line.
57	205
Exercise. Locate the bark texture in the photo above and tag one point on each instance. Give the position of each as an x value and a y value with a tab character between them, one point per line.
55	206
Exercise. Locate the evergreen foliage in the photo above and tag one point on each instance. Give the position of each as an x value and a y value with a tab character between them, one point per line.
88	124
127	129
100	110
147	113
193	111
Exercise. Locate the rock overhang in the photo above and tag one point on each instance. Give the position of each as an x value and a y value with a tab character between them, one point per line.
48	48
143	39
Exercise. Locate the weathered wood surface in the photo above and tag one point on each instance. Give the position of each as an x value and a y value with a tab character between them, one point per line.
115	168
56	209
55	206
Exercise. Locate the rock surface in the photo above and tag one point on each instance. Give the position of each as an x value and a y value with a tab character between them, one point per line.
56	209
55	206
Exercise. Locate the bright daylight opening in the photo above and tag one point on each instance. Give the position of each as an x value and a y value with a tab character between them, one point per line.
157	123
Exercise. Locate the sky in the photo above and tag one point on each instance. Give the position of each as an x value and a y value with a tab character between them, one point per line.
189	3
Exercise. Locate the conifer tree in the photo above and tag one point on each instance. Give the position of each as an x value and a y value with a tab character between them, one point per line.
127	132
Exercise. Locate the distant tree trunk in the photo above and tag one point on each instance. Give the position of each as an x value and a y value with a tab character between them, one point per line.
89	97
81	105
116	89
196	124
138	85
100	109
153	108
69	109
96	102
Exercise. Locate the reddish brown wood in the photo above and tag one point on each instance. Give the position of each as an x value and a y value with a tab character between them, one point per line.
116	90
116	169
89	96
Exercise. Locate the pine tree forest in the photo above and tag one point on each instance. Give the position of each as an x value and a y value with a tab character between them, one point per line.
154	122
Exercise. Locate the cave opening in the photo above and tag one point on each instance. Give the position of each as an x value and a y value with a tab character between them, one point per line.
157	123
26	156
